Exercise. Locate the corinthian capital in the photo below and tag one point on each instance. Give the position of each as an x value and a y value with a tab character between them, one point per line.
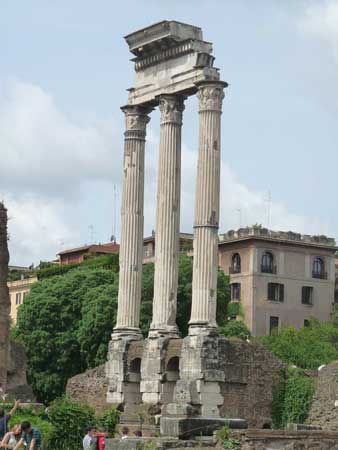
136	118
171	107
210	95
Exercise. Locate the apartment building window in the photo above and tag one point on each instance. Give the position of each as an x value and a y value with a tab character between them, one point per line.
235	291
236	263
307	295
306	323
18	298
318	268
276	292
24	295
274	325
267	265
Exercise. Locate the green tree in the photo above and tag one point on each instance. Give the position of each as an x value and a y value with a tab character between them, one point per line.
48	323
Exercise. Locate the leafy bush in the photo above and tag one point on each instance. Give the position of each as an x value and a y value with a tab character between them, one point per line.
235	328
70	420
226	442
108	420
308	347
292	398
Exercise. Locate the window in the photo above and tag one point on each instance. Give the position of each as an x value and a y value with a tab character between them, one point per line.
307	295
306	323
235	291
267	263
25	294
236	264
274	324
336	291
318	268
18	298
276	292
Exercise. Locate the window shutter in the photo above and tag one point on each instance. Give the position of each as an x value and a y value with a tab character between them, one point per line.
281	292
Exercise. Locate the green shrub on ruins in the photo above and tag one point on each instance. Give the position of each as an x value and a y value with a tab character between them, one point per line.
235	328
69	420
292	398
308	347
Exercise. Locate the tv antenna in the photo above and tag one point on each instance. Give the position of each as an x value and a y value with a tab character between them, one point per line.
268	201
113	236
239	211
92	233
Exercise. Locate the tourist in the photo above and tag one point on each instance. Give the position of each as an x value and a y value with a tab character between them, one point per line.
12	437
88	438
138	433
98	441
125	432
4	419
30	438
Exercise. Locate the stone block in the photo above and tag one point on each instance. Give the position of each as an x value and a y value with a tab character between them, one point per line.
208	387
211	399
150	386
175	409
186	428
150	397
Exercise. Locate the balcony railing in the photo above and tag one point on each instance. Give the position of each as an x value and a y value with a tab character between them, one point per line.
233	270
319	275
269	269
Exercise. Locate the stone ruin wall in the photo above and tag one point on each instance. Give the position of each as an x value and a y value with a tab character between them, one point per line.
251	373
324	409
5	303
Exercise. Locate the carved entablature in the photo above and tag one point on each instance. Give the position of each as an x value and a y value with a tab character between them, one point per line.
210	96
171	107
170	58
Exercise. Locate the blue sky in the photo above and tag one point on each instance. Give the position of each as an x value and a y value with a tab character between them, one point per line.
64	71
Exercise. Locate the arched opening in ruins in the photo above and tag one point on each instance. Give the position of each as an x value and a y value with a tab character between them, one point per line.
134	379
172	374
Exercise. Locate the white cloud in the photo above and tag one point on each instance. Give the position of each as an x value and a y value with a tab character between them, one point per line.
320	20
55	175
43	150
36	228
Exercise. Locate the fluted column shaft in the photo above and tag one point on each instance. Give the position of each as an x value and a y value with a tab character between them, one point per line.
205	266
131	246
167	217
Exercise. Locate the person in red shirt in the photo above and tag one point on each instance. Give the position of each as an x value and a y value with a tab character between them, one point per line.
99	440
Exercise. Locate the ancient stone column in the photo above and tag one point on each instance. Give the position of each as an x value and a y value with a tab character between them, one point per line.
167	217
131	247
5	303
204	287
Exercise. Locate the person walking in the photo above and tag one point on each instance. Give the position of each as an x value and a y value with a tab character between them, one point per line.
4	418
88	438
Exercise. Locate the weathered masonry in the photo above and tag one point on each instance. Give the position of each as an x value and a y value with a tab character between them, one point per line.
183	381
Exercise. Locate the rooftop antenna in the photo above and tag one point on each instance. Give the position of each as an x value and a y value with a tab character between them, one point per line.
239	217
268	201
92	233
113	236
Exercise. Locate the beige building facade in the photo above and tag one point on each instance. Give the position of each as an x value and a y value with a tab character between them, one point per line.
18	291
278	278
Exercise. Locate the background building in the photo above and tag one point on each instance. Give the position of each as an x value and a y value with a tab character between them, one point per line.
77	255
278	278
18	291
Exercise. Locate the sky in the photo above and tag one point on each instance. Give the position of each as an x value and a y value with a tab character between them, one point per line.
64	72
